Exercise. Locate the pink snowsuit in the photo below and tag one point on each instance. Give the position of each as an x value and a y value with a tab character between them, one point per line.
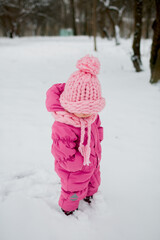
77	180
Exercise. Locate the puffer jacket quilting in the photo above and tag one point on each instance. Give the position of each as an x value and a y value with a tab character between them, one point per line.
68	160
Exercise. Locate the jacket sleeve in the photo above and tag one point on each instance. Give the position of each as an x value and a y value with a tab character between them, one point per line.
52	97
100	128
64	148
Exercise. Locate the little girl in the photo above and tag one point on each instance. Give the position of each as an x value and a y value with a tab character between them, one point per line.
77	133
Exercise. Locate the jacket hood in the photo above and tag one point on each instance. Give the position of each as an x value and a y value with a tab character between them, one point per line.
52	97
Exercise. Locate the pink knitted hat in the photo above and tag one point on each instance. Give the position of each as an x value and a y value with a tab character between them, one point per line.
82	92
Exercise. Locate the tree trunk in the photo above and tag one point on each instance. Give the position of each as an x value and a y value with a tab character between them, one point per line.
148	20
117	35
101	23
90	20
73	17
136	57
87	19
95	23
111	20
64	14
115	22
155	50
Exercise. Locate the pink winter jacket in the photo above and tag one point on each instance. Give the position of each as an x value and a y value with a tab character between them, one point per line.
66	138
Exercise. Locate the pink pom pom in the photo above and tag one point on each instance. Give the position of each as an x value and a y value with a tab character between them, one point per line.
89	64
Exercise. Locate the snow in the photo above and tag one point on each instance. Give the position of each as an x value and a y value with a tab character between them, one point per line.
127	203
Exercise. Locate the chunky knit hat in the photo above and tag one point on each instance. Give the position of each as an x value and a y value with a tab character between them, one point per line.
82	92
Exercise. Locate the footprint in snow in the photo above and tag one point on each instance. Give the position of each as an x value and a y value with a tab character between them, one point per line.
36	184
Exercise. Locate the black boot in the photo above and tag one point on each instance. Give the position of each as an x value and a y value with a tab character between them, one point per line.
68	212
88	199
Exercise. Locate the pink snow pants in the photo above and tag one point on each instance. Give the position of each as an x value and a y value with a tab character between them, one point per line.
74	189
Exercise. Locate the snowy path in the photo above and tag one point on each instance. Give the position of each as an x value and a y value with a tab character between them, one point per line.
127	204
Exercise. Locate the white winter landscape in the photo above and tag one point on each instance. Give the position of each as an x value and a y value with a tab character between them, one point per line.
127	205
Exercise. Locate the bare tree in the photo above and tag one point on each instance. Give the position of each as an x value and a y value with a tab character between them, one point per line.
115	21
17	15
148	11
48	17
101	18
11	16
84	10
73	17
136	57
64	13
155	50
94	23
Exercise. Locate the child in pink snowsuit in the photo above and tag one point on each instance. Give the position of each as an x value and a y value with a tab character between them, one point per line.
77	133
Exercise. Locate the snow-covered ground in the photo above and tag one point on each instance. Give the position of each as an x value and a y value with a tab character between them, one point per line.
127	206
